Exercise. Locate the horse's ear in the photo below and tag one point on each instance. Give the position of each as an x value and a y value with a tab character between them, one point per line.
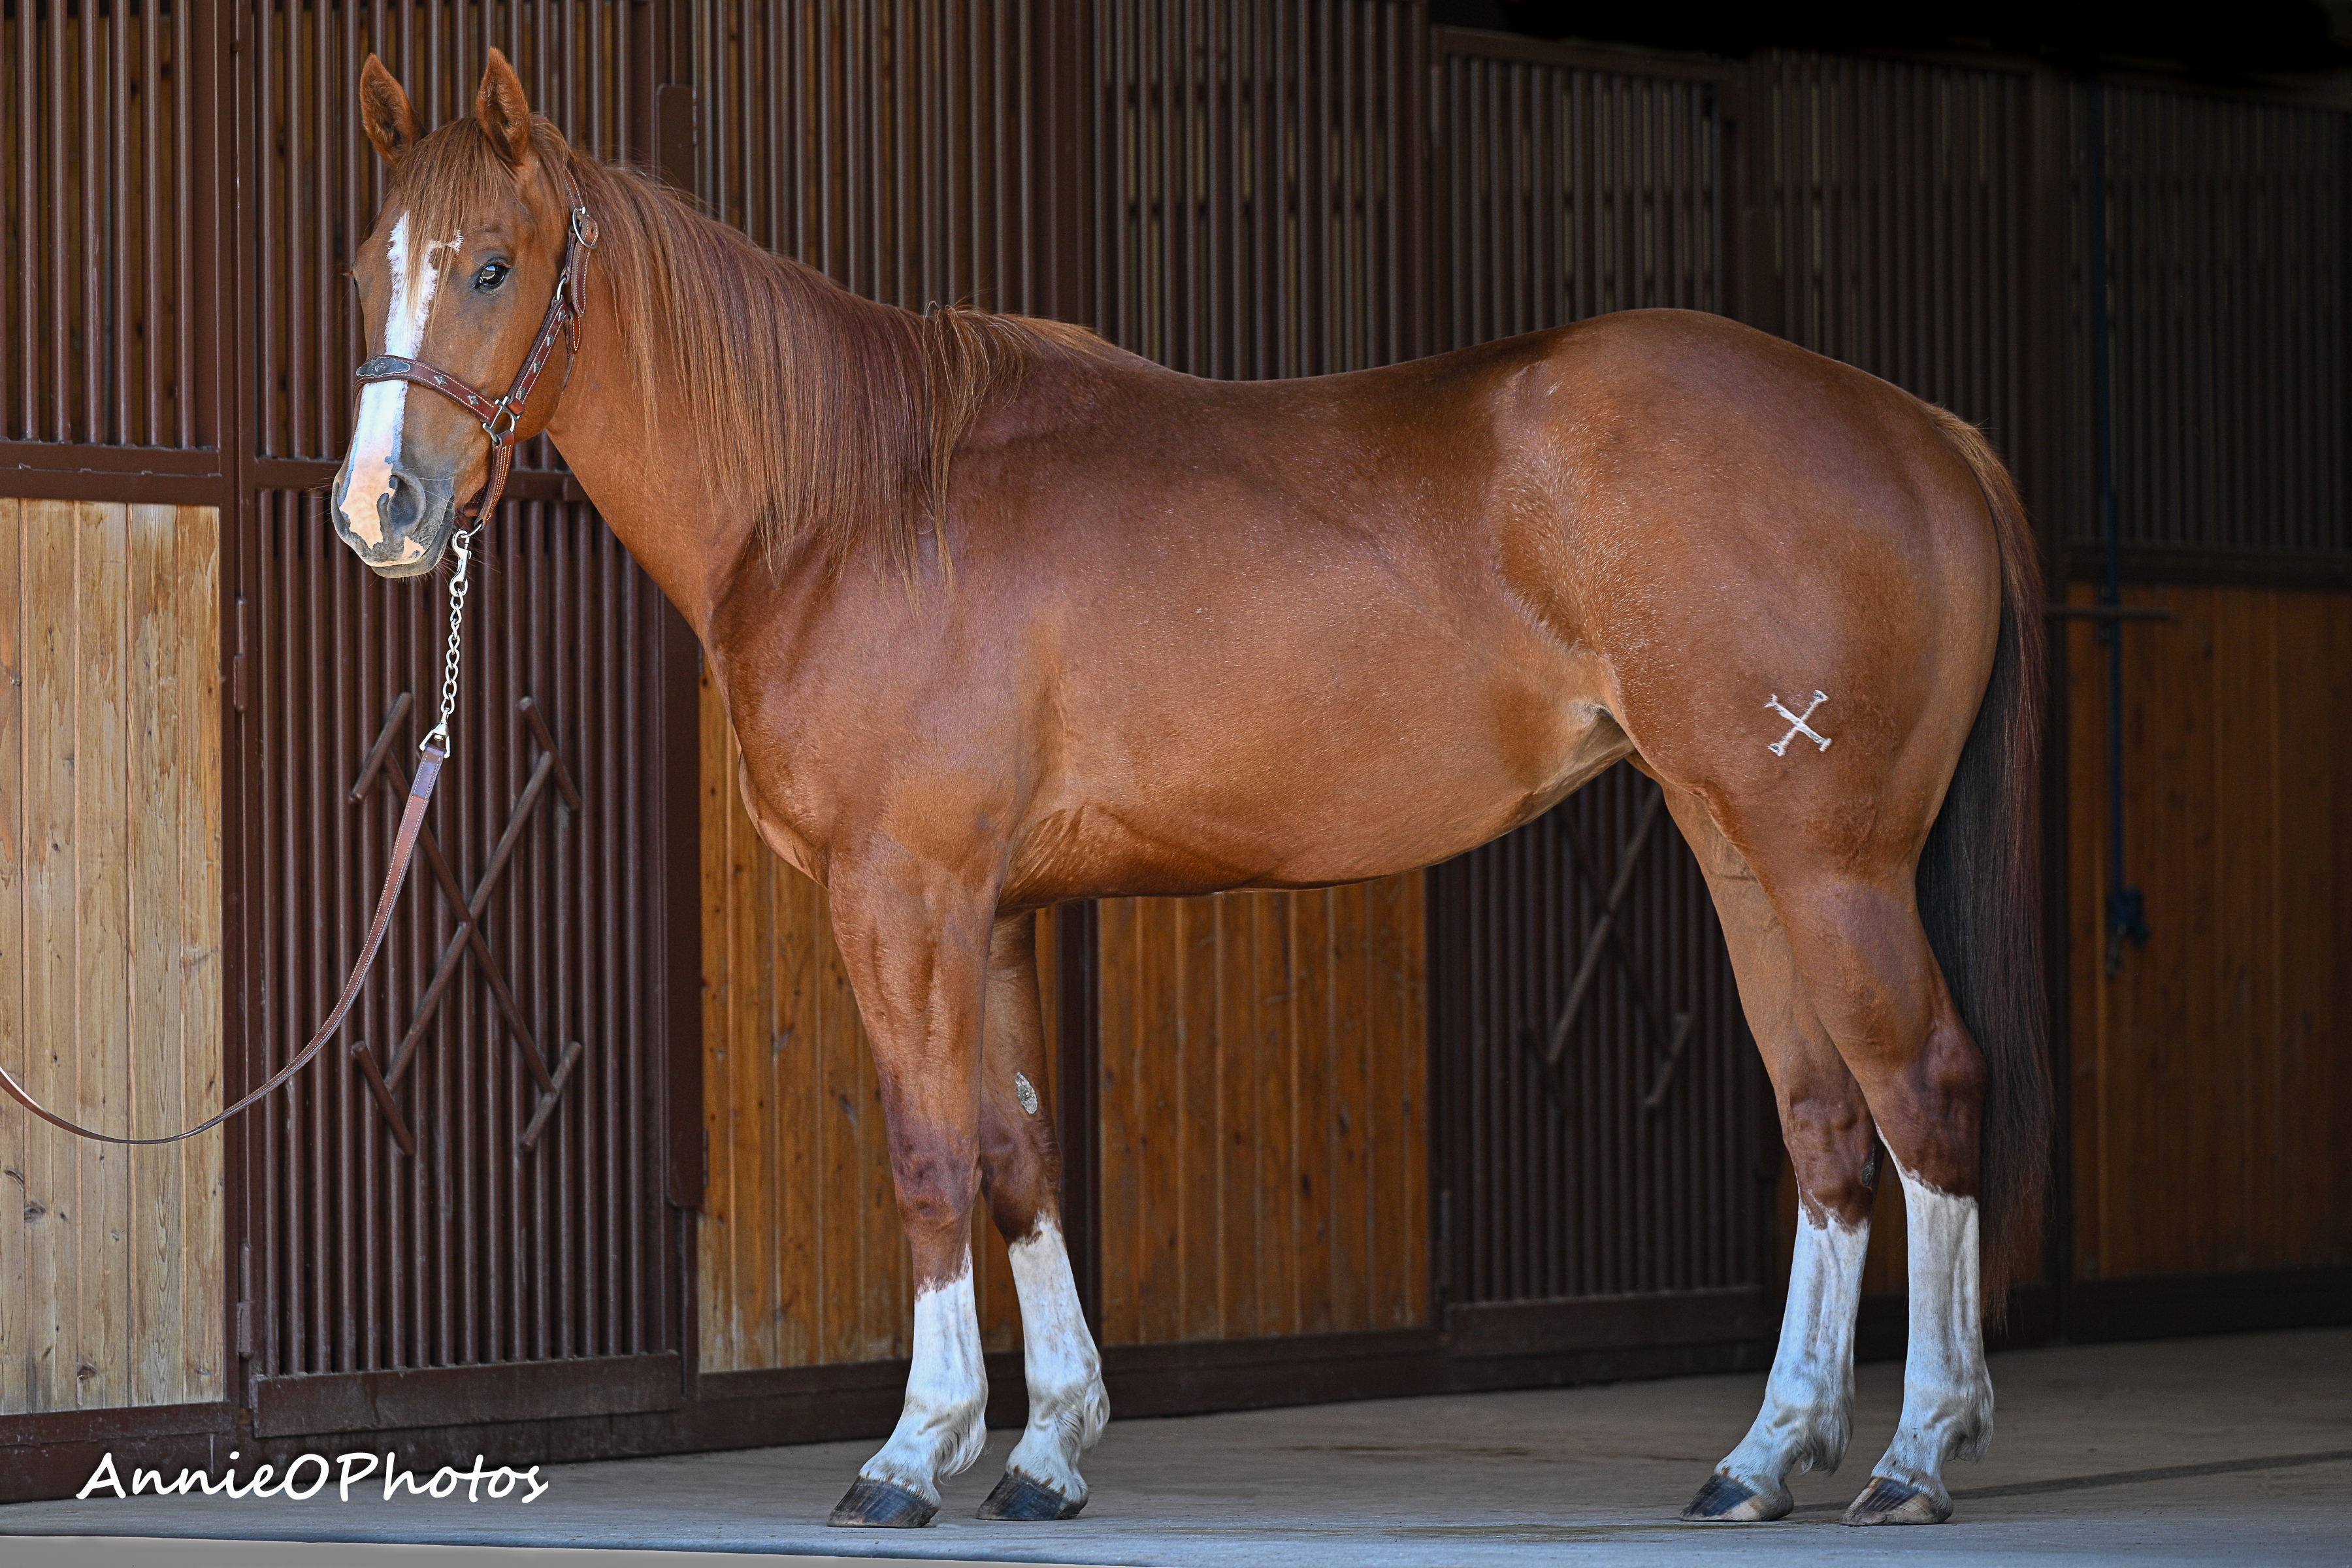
386	113
505	116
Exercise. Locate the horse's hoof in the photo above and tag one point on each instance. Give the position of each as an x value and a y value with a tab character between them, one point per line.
1724	1500
1886	1501
1019	1498
878	1505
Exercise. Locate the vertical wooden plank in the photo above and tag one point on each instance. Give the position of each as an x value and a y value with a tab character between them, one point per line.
2289	1139
1200	1153
1309	1242
52	1174
1121	1315
1412	1053
200	1057
2086	985
1160	1107
2181	868
156	1027
1240	1107
100	1042
1351	1174
1399	1049
17	1139
721	1332
2244	1049
1275	1055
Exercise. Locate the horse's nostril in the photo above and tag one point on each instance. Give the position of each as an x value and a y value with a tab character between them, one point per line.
403	506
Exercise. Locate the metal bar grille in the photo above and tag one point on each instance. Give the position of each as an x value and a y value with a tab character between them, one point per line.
100	219
479	1248
1257	203
885	142
2232	365
1900	225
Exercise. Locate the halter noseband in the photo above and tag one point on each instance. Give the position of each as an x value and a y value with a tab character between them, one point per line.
500	417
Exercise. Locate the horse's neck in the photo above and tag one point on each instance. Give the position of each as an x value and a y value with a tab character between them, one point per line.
636	458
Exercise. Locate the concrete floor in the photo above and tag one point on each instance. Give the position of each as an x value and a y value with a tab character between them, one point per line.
2232	1449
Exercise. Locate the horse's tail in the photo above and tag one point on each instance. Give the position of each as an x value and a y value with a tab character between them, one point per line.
1979	892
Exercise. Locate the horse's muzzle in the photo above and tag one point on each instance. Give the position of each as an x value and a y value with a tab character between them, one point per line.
403	528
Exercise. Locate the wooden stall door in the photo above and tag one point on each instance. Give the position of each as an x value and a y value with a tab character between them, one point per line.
111	1282
2212	1086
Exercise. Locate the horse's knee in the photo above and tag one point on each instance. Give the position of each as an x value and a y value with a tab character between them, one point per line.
937	1184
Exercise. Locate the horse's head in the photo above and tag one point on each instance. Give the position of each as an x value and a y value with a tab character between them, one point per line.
457	275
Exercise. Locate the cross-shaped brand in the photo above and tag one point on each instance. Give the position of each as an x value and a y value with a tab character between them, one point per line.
1797	725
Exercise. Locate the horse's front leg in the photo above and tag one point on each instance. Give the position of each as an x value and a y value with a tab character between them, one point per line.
915	943
1021	1169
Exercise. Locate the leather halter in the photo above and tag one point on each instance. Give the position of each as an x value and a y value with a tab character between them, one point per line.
500	417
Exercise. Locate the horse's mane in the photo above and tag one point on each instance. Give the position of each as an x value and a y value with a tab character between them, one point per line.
829	416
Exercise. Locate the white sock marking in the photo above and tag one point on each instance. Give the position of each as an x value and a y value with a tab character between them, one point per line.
940	1430
1808	1411
1067	1407
383	405
1947	1388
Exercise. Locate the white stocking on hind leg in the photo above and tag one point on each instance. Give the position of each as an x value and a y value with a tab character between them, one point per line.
1808	1411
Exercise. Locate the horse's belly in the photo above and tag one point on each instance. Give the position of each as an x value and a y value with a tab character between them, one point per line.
1396	789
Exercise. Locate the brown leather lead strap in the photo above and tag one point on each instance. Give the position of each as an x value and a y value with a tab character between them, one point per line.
412	820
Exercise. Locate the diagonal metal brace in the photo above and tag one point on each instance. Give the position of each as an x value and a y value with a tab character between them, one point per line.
1670	1039
468	937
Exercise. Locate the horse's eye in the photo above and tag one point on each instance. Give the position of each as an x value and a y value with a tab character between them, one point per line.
492	274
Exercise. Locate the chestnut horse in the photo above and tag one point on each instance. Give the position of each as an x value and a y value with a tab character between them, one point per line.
1003	616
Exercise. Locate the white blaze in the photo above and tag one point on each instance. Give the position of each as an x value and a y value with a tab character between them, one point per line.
383	405
1067	1408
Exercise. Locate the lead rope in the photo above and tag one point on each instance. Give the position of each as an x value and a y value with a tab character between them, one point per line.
435	750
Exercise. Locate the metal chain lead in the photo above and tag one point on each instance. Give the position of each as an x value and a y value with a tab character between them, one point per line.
438	736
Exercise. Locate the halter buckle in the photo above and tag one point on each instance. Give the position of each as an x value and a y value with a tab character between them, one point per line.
506	415
583	226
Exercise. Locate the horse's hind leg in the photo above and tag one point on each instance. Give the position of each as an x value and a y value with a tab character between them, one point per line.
1808	1409
1852	929
1021	1169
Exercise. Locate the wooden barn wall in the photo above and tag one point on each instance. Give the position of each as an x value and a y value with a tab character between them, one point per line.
111	1284
1264	1124
2212	1084
1263	1087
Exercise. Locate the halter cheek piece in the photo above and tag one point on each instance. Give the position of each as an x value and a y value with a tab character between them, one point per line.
500	417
